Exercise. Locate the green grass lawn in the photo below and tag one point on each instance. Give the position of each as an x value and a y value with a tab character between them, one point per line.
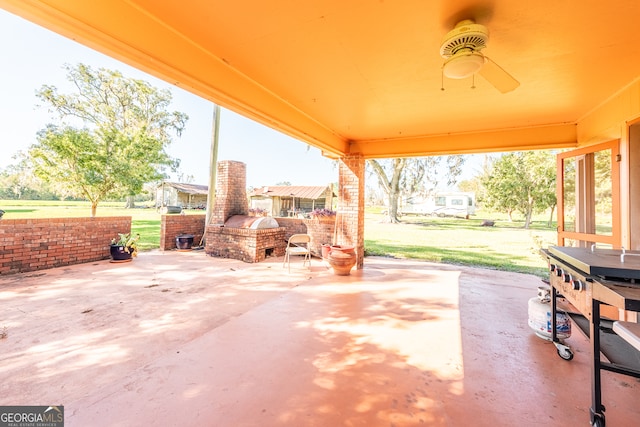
505	246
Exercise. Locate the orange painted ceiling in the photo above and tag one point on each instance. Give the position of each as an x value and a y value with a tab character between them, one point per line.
364	76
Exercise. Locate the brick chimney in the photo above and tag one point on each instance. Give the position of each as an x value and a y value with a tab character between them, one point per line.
231	191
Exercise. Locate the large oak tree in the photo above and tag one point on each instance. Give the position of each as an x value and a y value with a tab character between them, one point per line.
405	177
110	138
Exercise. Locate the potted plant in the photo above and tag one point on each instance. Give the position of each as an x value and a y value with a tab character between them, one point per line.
322	213
124	247
258	212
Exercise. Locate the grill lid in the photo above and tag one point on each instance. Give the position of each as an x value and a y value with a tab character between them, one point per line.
252	222
605	263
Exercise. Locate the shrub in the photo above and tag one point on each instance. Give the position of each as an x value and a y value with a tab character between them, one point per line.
322	213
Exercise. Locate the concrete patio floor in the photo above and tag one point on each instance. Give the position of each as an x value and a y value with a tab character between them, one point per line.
182	339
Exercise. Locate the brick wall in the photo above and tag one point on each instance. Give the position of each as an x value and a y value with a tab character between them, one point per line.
37	244
350	219
174	225
293	226
321	231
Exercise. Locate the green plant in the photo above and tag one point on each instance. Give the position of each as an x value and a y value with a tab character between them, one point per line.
129	242
258	212
322	213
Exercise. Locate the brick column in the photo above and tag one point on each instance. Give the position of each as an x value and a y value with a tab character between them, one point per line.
350	218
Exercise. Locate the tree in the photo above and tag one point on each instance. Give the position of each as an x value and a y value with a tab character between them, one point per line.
17	181
409	176
521	182
121	145
185	179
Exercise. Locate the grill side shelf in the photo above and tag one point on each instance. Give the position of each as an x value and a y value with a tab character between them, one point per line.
612	346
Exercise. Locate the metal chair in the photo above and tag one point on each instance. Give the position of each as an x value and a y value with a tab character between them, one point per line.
298	244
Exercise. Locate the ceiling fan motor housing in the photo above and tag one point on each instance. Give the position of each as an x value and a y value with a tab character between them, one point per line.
467	36
461	48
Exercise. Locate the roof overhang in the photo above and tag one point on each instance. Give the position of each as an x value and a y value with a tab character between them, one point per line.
365	77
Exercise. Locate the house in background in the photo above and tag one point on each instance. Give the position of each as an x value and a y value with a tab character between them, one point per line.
291	200
187	196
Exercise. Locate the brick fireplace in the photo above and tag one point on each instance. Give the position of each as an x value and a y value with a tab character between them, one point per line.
231	233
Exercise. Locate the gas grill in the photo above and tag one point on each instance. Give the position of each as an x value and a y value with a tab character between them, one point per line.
595	281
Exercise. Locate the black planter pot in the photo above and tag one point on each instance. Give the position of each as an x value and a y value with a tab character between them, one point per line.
184	242
118	254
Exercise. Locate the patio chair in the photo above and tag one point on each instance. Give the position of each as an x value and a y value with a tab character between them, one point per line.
298	244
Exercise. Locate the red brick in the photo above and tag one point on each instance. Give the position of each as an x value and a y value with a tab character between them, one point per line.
55	242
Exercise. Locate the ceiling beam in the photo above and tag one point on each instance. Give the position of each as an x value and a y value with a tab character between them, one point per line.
534	138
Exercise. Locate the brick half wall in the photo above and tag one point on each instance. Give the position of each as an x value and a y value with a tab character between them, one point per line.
321	231
172	226
38	244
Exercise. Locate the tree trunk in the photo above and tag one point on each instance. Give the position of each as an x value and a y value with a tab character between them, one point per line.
393	208
390	186
130	202
529	213
553	209
527	219
94	208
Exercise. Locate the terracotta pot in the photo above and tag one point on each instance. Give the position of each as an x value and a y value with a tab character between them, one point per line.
341	262
344	249
326	249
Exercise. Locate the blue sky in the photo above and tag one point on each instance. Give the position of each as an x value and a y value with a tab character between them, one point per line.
33	56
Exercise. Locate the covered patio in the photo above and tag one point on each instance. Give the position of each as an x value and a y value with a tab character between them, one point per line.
181	339
396	343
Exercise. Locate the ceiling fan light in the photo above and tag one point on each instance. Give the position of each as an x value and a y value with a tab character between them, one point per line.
463	65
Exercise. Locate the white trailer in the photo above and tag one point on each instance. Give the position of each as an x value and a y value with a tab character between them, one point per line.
442	204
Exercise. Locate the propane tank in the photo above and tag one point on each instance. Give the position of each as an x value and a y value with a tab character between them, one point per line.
540	316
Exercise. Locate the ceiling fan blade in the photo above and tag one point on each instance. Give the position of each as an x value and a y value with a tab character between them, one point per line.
497	76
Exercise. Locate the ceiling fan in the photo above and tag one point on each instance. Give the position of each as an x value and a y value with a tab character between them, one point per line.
462	47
